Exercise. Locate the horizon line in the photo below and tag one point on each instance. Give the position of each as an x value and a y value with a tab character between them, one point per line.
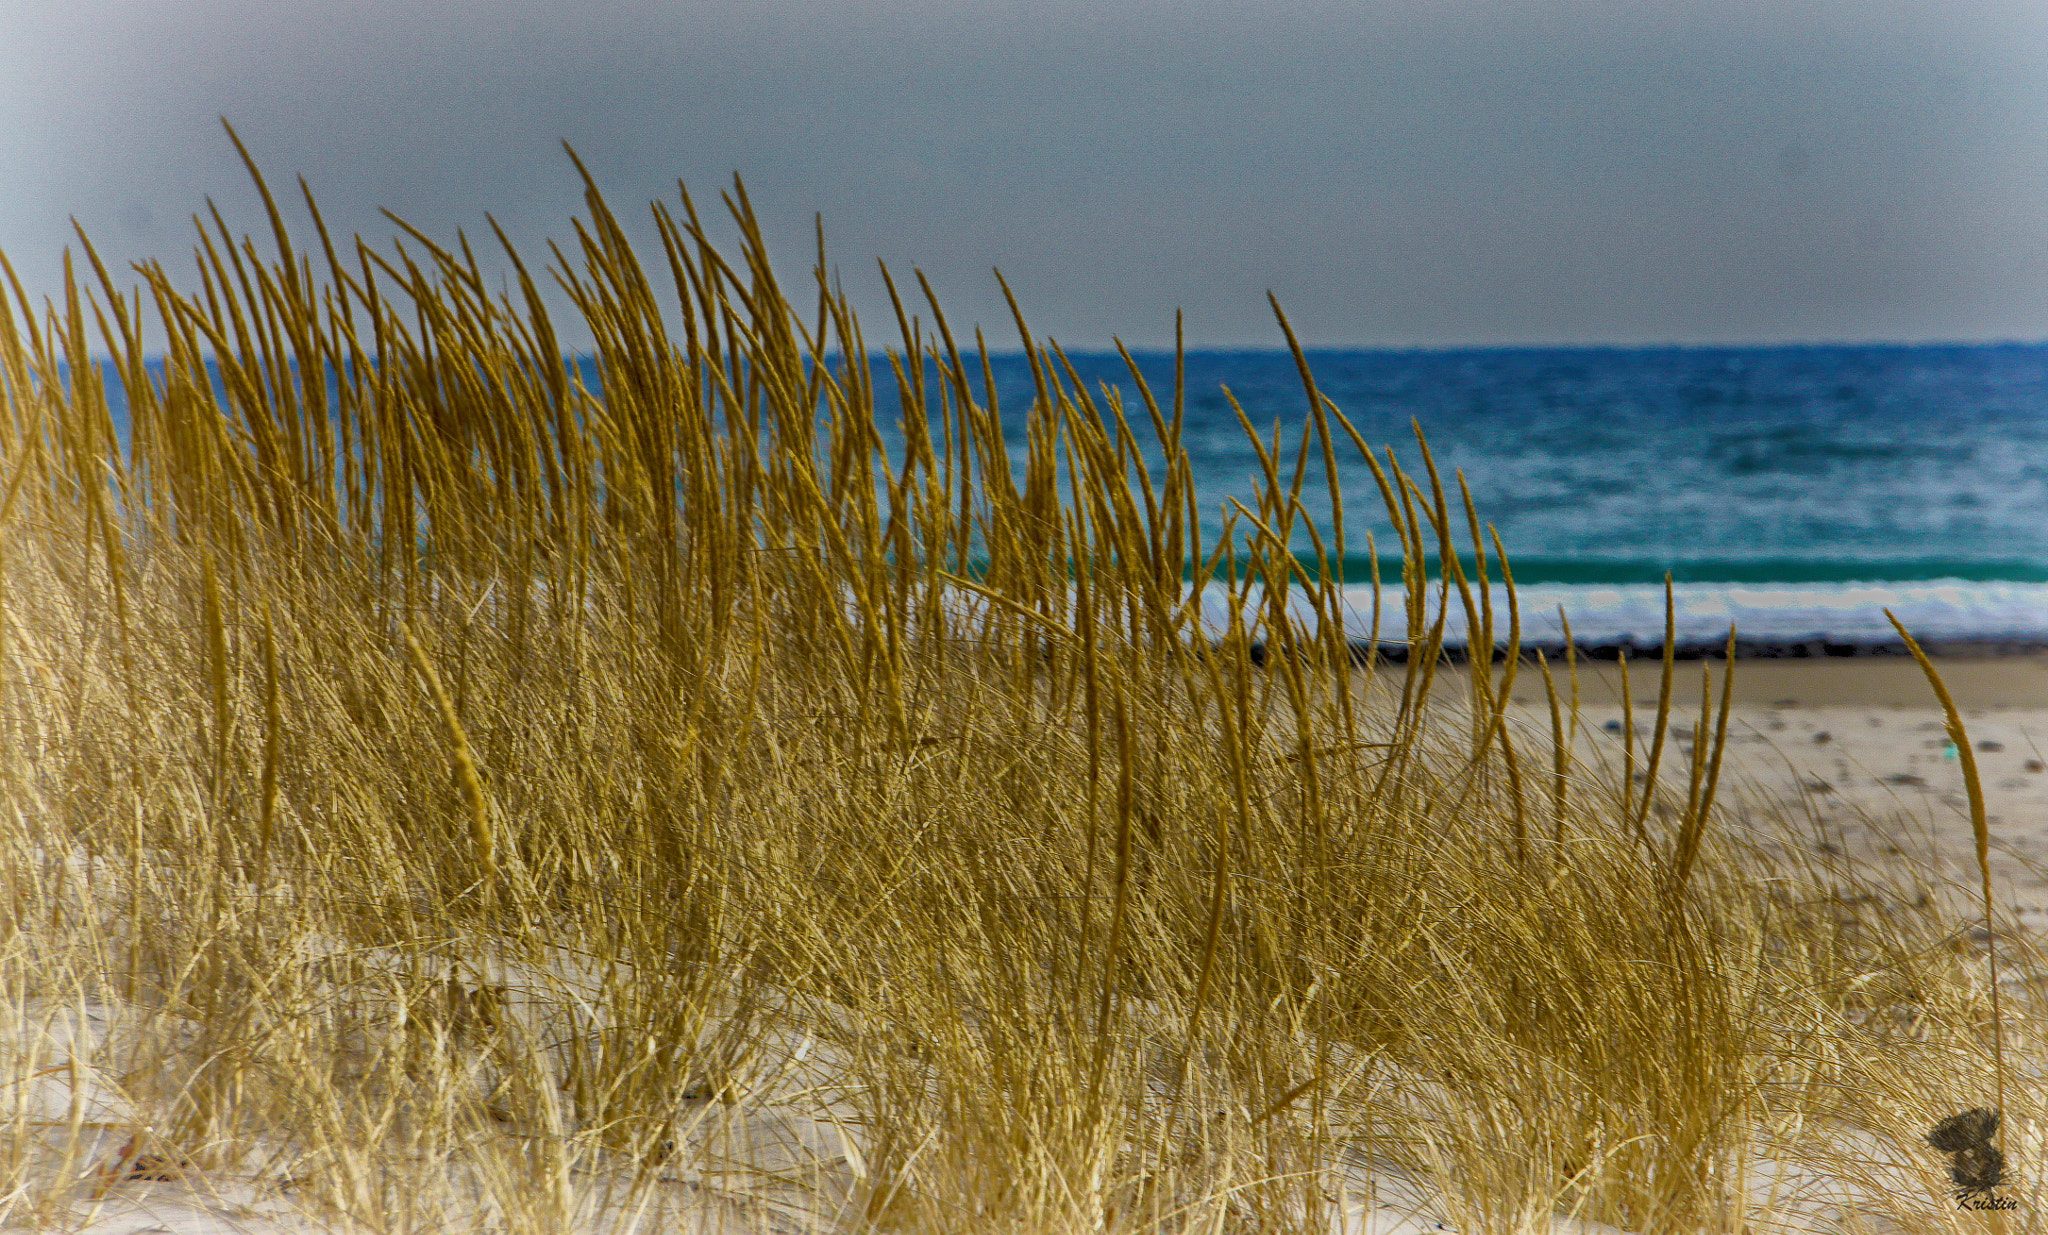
1414	349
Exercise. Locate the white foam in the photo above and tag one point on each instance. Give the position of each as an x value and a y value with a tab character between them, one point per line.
1947	610
1603	614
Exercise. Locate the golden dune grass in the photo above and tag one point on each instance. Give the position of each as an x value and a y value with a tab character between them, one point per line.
658	791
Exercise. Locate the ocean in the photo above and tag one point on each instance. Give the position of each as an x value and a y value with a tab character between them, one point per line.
1793	492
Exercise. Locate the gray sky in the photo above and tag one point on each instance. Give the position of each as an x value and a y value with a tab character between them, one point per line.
1423	173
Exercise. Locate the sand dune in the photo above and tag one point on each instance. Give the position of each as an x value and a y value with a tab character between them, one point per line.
1854	749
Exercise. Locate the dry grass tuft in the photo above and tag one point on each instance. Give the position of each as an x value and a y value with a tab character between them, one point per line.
437	793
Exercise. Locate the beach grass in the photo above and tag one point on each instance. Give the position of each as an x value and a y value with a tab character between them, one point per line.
448	796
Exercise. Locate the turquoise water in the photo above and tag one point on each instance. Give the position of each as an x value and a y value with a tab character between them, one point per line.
1797	491
1754	465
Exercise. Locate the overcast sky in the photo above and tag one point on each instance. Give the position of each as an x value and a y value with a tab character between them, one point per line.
1433	172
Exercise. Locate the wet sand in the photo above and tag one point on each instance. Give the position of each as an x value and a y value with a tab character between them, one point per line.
1881	682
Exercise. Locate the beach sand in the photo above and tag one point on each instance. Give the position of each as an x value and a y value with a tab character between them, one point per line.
1856	748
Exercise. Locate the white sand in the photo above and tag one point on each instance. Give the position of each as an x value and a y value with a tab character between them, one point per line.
1859	748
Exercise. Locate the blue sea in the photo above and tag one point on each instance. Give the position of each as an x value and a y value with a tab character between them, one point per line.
1795	492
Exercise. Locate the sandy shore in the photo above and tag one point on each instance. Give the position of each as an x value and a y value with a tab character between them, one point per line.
1856	749
1878	682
